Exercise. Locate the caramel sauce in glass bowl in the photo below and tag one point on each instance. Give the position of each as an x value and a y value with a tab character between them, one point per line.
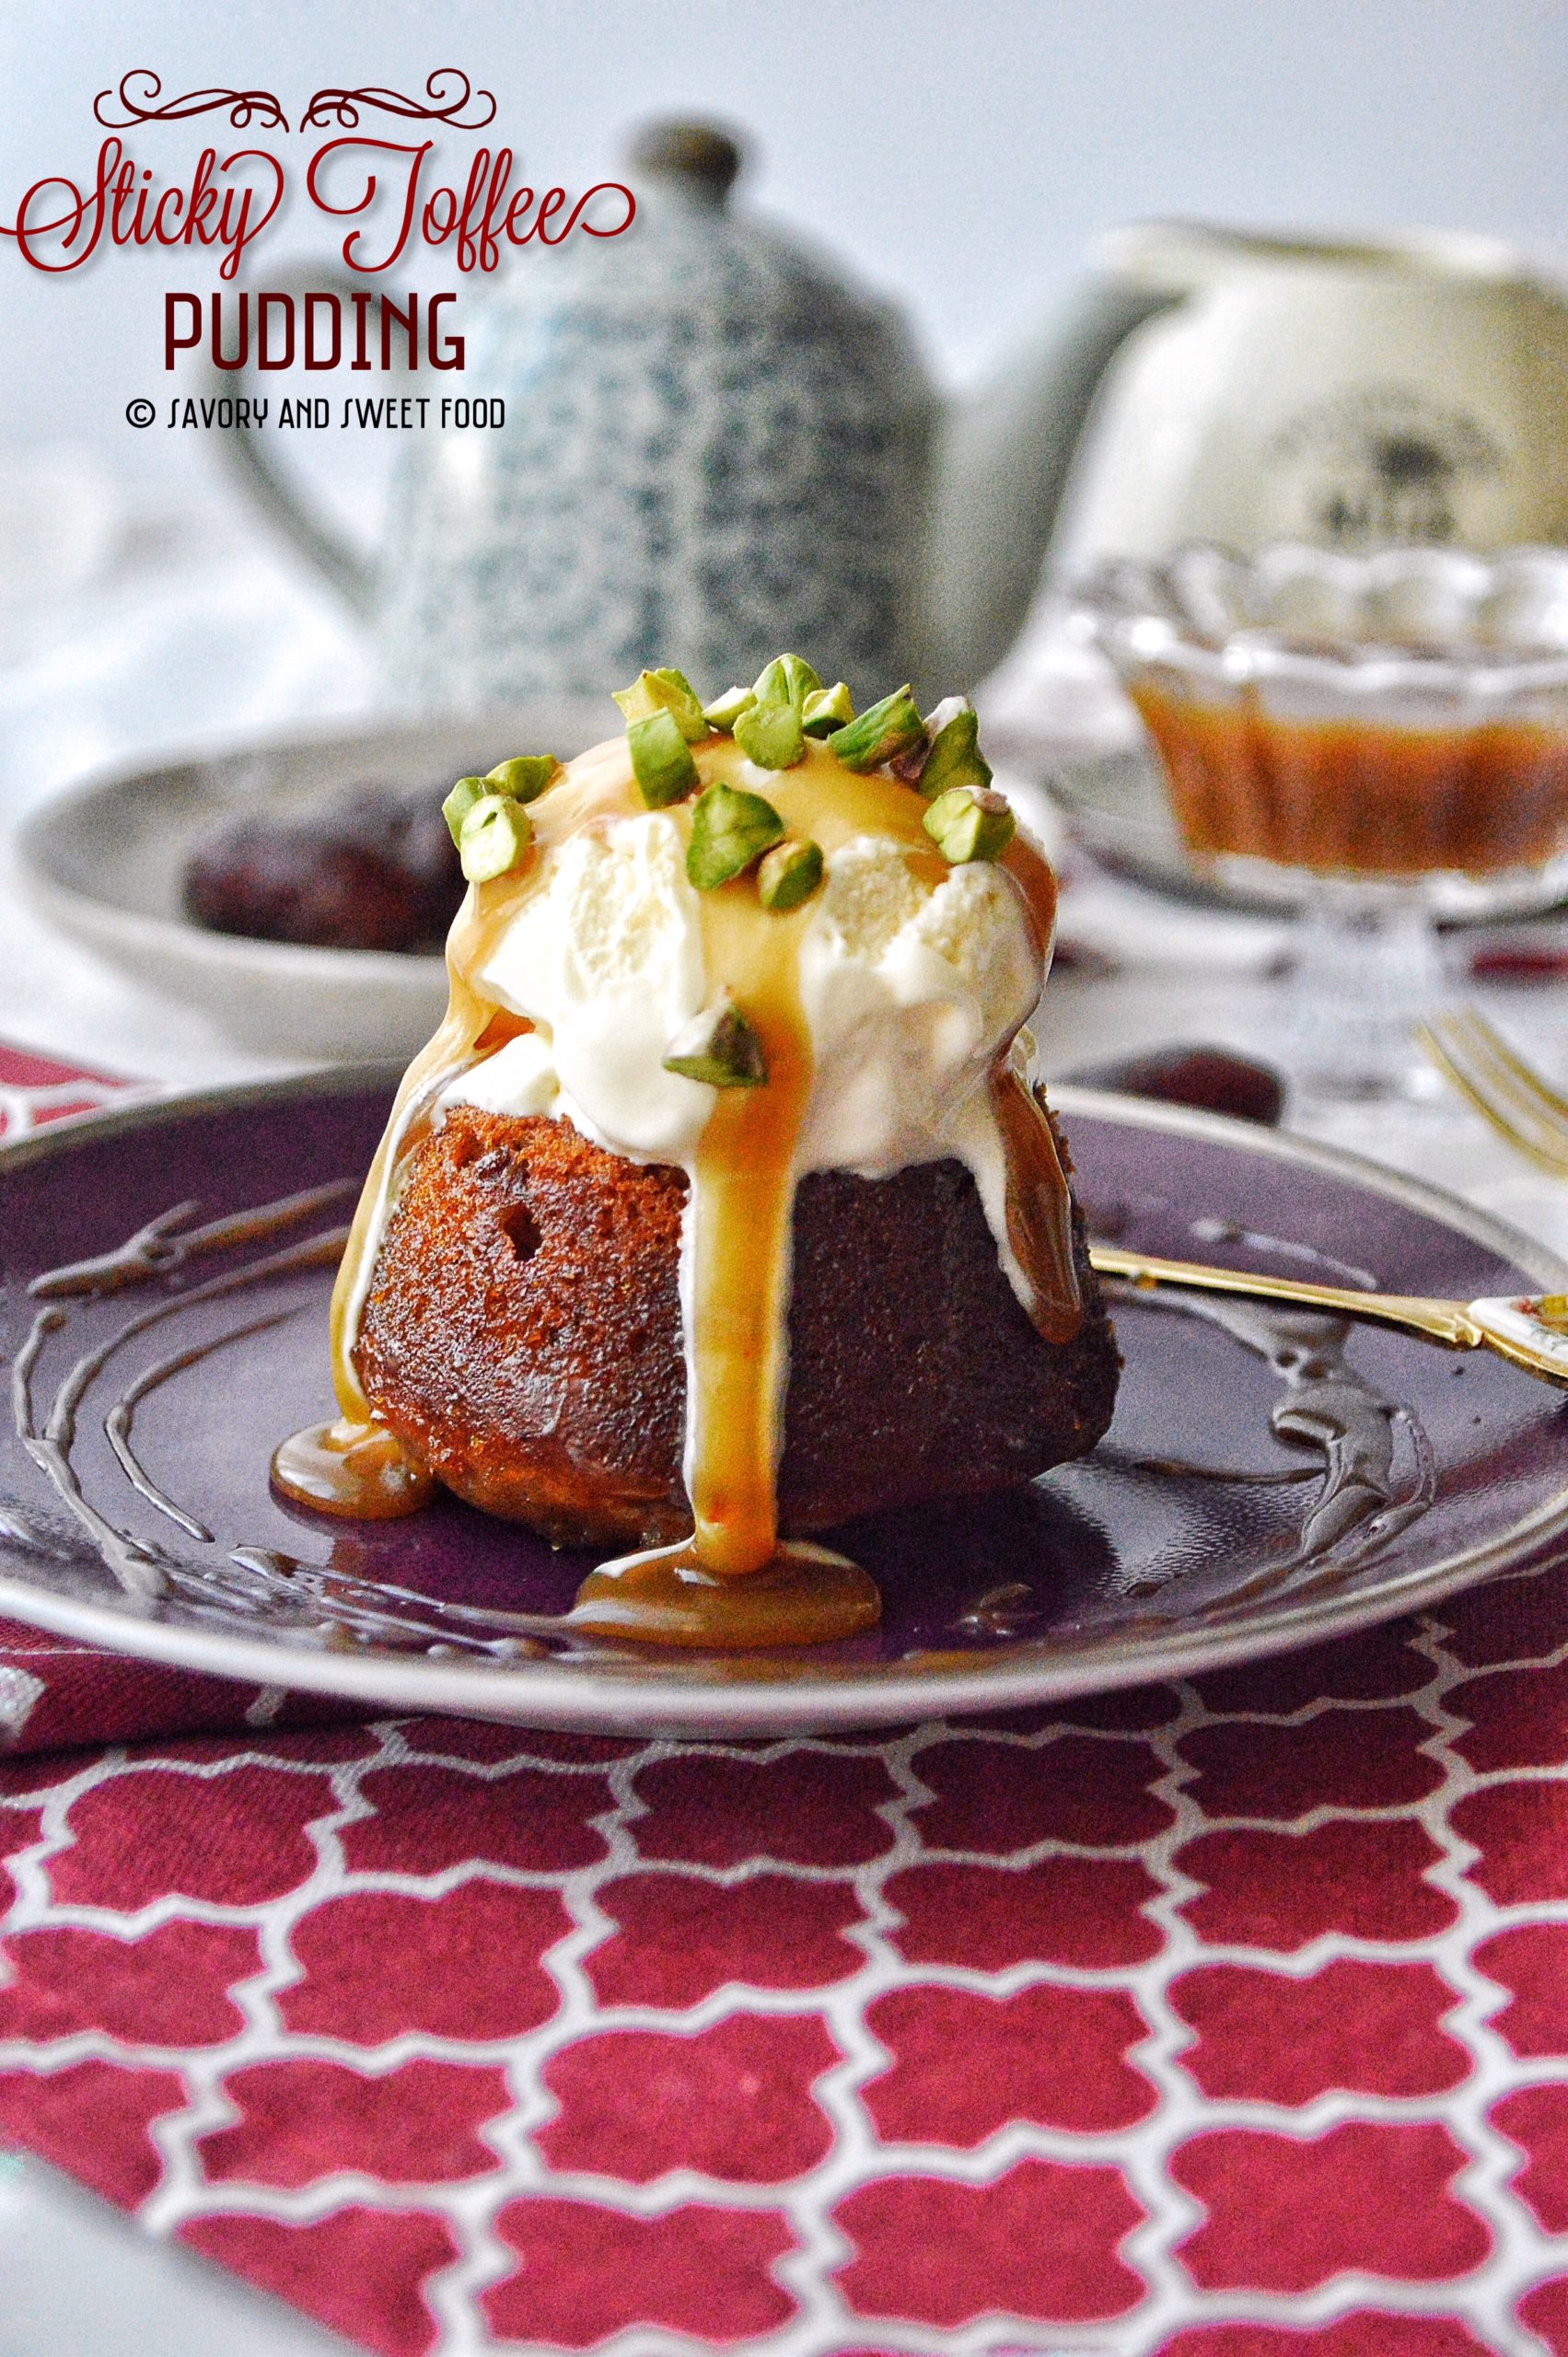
1389	716
1360	797
1390	730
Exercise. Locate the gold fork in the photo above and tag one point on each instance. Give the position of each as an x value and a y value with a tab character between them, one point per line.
1530	1329
1520	1106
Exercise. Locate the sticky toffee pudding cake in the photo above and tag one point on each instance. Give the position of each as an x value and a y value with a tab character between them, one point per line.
720	1209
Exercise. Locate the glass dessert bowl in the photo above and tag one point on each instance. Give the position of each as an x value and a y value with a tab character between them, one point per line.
720	1209
1392	728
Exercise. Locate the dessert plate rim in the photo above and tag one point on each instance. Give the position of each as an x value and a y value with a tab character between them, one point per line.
537	1694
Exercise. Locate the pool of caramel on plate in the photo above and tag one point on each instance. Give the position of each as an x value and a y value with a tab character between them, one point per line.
734	1581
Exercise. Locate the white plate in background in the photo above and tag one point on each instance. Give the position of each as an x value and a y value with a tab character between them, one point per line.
104	864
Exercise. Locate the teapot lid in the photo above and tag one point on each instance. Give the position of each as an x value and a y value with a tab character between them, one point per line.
701	161
692	257
718	287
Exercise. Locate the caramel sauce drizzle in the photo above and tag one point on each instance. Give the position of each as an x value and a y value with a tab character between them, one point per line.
744	1195
740	1217
742	1203
1039	1209
360	1471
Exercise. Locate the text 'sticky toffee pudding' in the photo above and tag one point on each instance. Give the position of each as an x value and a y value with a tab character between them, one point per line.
720	1209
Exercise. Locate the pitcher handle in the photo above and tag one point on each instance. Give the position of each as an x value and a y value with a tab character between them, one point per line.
1005	462
244	448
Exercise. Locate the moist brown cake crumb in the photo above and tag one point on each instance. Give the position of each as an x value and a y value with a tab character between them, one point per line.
523	1332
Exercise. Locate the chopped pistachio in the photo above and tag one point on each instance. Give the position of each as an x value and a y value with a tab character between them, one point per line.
788	679
789	875
771	735
720	1047
970	822
493	837
955	758
729	829
460	801
949	709
826	710
726	710
527	777
667	691
882	731
661	759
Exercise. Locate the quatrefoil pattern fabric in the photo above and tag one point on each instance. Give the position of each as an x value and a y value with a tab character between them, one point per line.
1228	2020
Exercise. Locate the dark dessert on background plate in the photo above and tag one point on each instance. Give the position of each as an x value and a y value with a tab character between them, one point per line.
1212	1080
721	1210
374	868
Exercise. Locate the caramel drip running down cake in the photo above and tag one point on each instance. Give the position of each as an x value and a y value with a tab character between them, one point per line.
720	1208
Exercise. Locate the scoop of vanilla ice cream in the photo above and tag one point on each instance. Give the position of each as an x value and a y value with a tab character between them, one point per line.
606	960
908	993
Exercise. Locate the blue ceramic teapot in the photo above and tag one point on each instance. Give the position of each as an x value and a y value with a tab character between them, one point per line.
715	446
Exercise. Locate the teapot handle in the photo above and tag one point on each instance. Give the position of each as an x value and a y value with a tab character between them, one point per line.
1007	455
244	448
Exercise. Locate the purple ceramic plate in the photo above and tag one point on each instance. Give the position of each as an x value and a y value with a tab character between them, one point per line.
1271	1479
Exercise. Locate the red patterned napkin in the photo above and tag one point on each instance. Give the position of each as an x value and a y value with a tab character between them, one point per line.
1227	2020
35	1089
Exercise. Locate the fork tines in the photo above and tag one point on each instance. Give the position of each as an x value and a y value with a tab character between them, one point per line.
1521	1105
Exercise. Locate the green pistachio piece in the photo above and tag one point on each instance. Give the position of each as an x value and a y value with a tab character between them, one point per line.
729	829
789	875
493	837
661	759
726	710
720	1047
788	679
771	735
667	691
826	710
955	758
460	801
527	777
970	822
910	766
881	733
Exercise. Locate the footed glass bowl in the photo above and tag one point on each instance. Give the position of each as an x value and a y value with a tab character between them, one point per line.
1391	728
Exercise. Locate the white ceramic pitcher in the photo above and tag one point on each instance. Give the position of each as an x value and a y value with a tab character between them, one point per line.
1402	390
